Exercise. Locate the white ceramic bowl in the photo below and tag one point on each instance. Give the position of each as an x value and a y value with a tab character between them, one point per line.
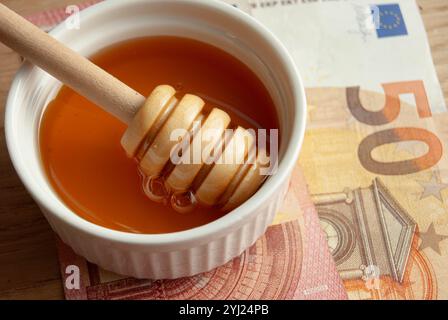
179	254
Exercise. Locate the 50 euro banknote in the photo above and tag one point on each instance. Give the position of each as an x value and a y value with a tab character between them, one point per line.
375	149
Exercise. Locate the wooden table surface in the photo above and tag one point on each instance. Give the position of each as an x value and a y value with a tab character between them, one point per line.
28	262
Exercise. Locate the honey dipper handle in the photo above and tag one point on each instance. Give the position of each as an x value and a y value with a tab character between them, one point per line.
68	66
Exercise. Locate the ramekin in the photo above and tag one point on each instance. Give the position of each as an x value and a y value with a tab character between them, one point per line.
186	253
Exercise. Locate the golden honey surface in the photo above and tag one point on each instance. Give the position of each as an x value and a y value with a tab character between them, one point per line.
80	143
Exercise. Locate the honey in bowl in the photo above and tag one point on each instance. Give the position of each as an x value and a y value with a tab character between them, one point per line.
80	143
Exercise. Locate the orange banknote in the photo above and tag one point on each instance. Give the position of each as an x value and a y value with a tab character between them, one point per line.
378	180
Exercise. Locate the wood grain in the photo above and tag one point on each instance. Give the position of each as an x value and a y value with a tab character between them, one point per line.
28	260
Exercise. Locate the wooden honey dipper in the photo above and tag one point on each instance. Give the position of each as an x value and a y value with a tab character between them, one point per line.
150	122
